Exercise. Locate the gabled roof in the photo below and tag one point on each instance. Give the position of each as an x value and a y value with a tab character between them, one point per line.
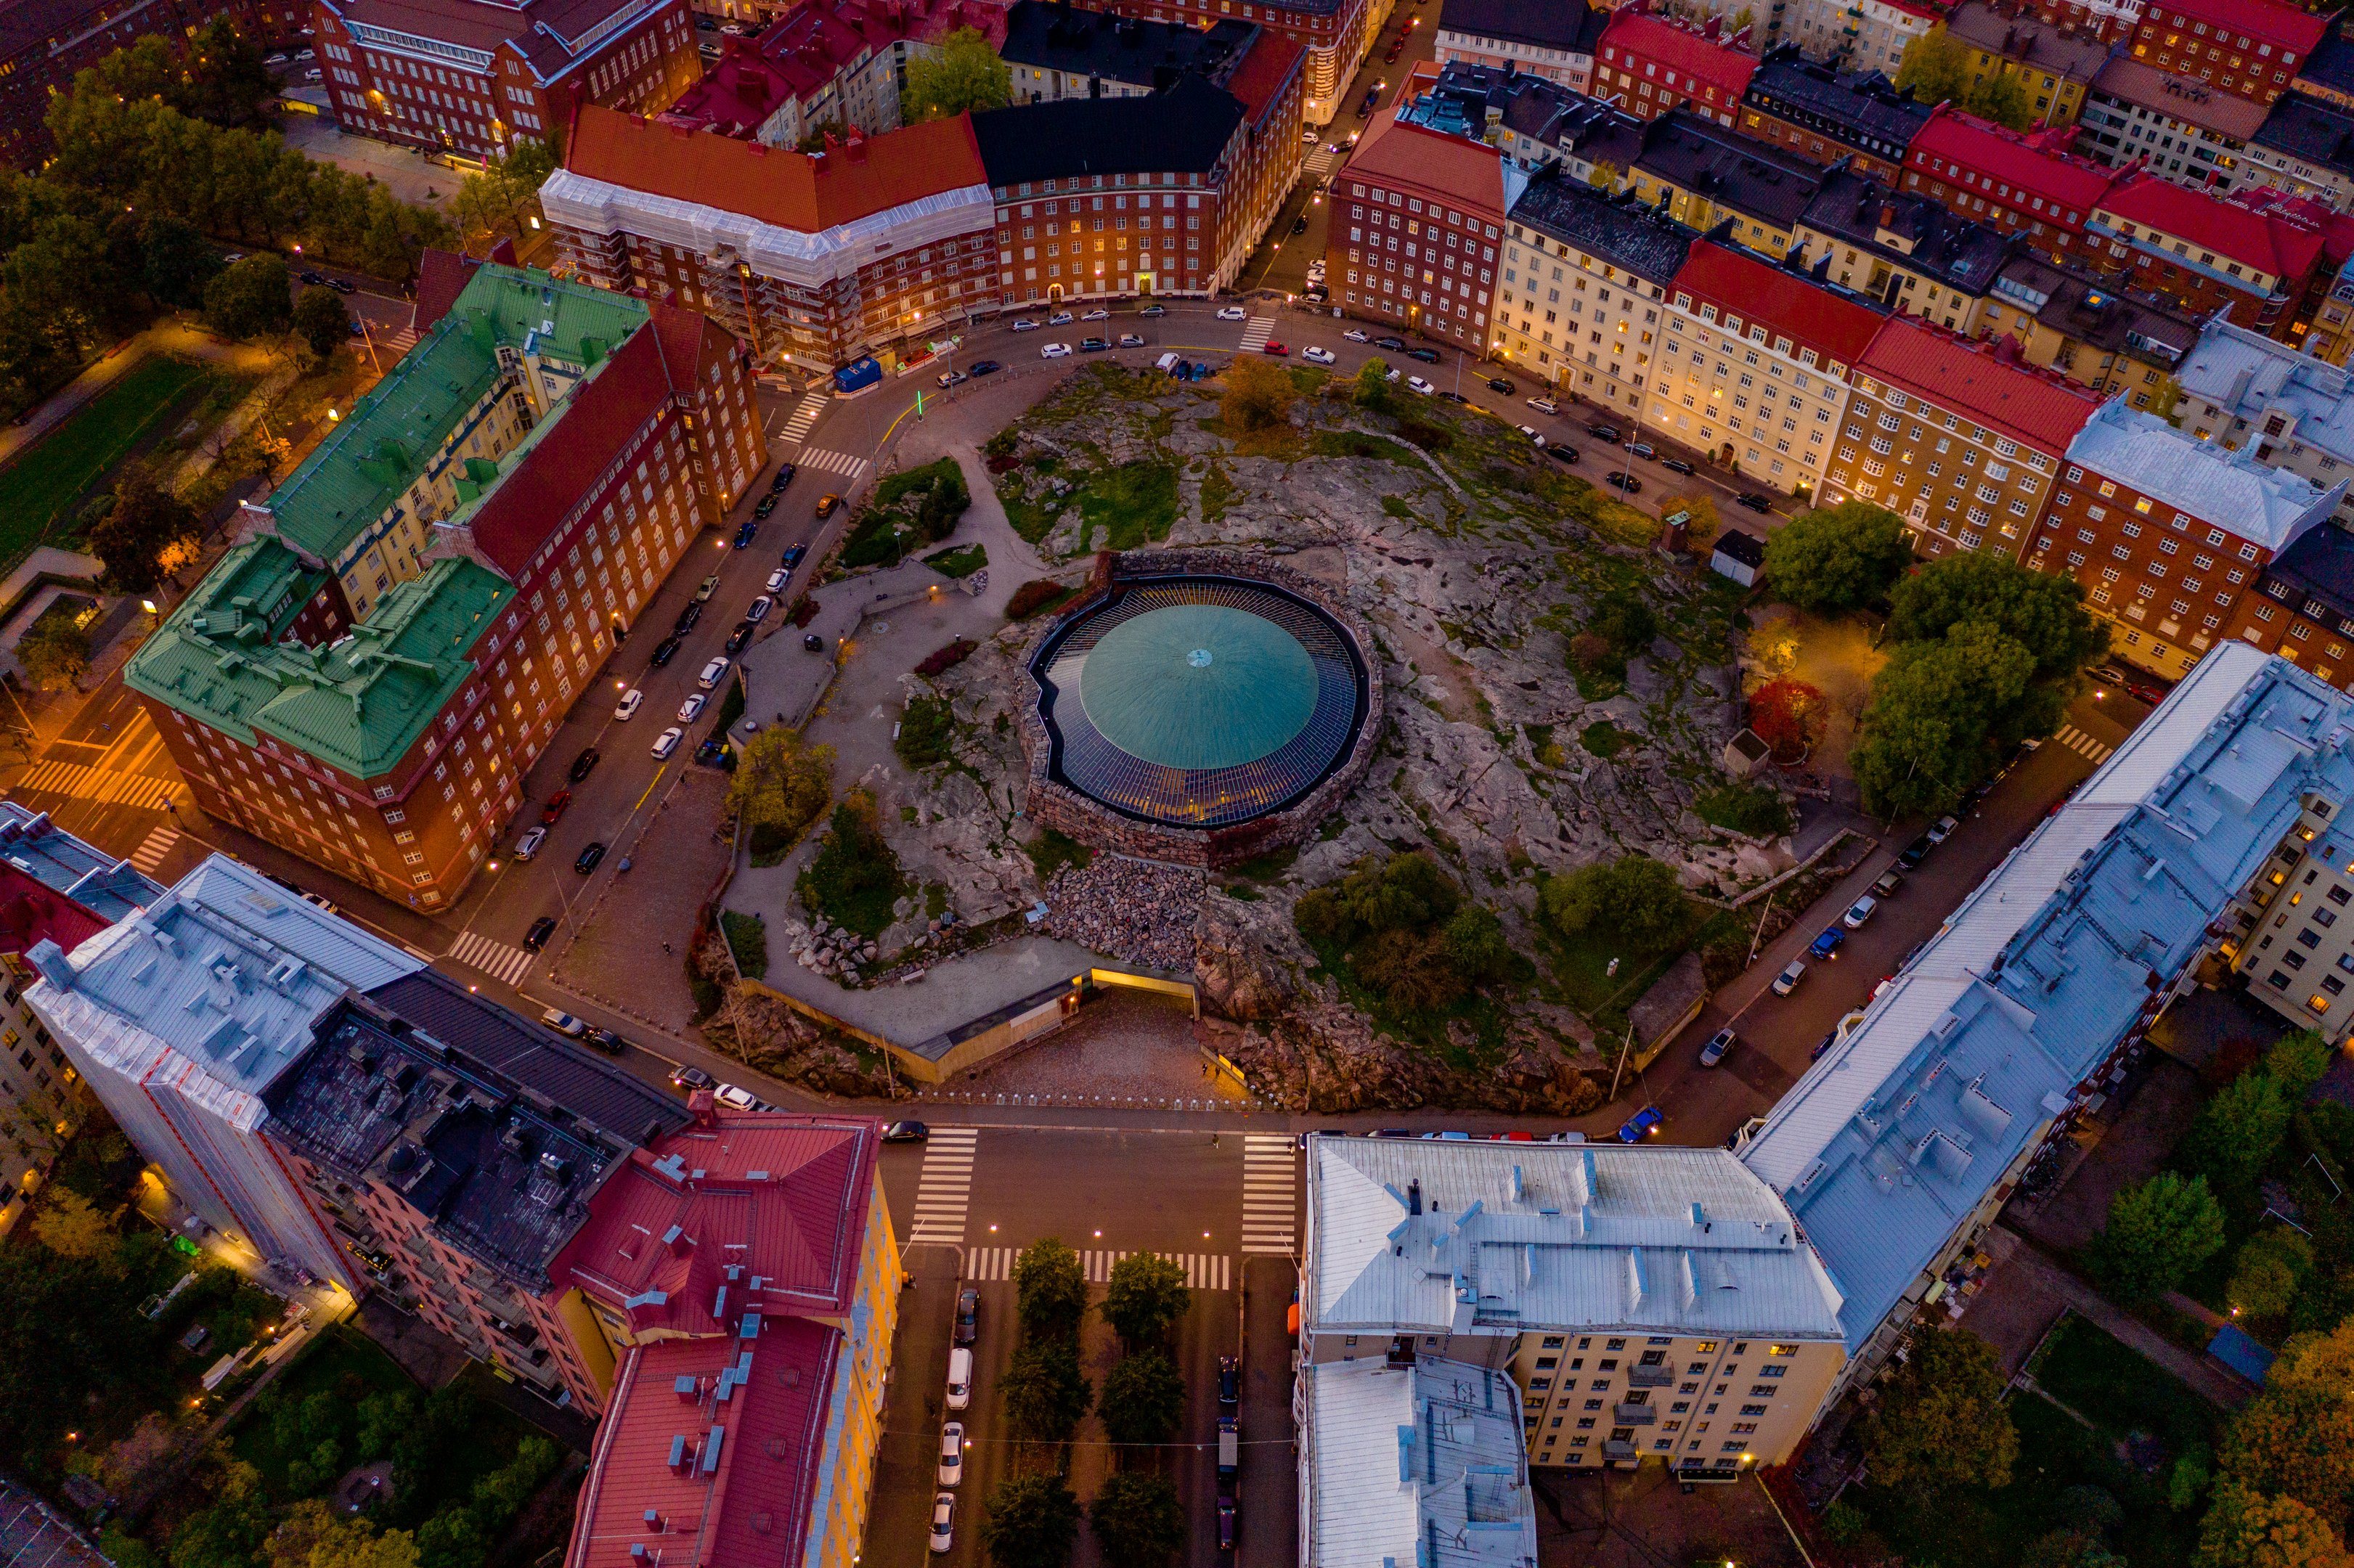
1953	145
1836	323
1651	40
2227	114
1472	174
553	35
2218	487
2319	565
1856	210
2249	376
2288	29
1859	108
2306	128
1546	24
2268	241
1693	152
1049	35
1618	229
35	847
2041	409
2028	41
1186	128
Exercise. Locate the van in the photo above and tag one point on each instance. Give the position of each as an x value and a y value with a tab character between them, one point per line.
1230	1443
959	1379
1167	363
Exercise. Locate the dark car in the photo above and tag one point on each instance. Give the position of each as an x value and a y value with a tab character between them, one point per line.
1676	465
587	860
813	642
343	285
1394	345
1497	383
906	1132
1827	945
1230	1384
1455	398
664	651
1603	432
558	804
1755	501
784	477
1227	1505
750	531
541	930
688	616
1563	453
1300	224
968	1315
315	279
1890	881
583	763
1911	856
1619	478
1092	345
740	636
986	367
762	507
1427	355
793	554
604	1040
691	1079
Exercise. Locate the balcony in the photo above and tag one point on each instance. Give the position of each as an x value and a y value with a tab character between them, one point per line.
1617	1452
1650	1377
1635	1414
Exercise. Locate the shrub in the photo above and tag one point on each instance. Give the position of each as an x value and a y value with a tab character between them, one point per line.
947	657
854	879
804	611
1405	931
1745	809
1259	395
778	788
1635	897
1429	438
1036	595
927	733
748	939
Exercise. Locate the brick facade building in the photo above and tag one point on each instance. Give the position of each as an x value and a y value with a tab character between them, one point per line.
1334	34
1653	64
1820	113
44	42
2029	186
2258	255
2251	48
825	65
1419	219
365	679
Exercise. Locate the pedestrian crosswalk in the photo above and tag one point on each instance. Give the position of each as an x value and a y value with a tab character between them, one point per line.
1318	162
944	1192
500	960
841	463
1270	1188
804	418
2083	744
1255	332
153	849
1203	1270
109	786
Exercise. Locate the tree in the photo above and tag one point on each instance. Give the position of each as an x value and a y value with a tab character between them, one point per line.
1635	898
2317	1362
146	523
1942	1423
2164	399
451	1538
2271	1267
224	79
1146	1296
2044	614
1405	891
2295	1443
1043	1394
2157	1233
229	1533
1837	557
383	1416
1138	1520
251	299
71	1226
2002	100
2068	1549
1372	385
1790	716
2237	1132
1700	521
1033	1520
1936	68
1605	175
1259	395
779	786
958	75
54	652
2249	1530
176	262
1050	1289
1144	1398
1936	710
2297	1062
322	321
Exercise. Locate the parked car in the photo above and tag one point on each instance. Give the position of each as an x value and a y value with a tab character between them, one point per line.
1226	1524
688	615
986	367
739	635
1354	335
1025	326
761	509
1060	318
1601	432
1153	311
1826	946
528	845
691	1079
1092	345
794	553
1394	345
1911	856
1419	385
712	674
778	578
1230	1384
583	765
906	1132
1643	1123
664	651
1644	449
785	473
735	1096
1754	502
1862	910
692	706
1562	452
1315	355
563	1022
1455	398
943	1521
604	1040
967	1317
667	742
1232	313
1941	830
758	611
959	1396
541	930
1887	882
590	854
952	1469
706	589
1544	405
1272	347
1788	980
1619	478
627	708
1497	383
952	377
827	505
1677	466
558	804
1427	355
1055	351
1721	1041
749	529
1535	439
1131	340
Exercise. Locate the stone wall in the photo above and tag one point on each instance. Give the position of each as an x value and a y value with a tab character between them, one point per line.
1057	806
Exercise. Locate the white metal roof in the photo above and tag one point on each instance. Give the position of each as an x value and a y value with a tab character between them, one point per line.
1416	1464
2249	375
2269	506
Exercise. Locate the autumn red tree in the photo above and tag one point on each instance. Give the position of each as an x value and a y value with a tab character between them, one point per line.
1788	716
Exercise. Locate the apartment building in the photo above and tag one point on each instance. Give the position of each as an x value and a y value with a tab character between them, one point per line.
53	888
180	1017
1652	64
1584	284
1418	1460
2251	48
2028	186
1755	362
1961	439
473	77
2110	339
458	1148
743	1273
1852	35
1906	252
2257	256
2251	394
1333	37
2303	609
1164	194
2185	131
1056	51
1554	42
824	67
1898	1148
1529	119
1648	1303
2306	148
2168	533
1705	174
1418	219
365	679
2054	64
1830	116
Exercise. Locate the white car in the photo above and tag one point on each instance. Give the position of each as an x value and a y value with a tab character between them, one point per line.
1419	385
952	1453
1531	432
713	673
1353	335
563	1022
692	706
758	611
1055	351
778	578
1315	355
667	742
943	1521
1788	980
734	1098
1097	314
1307	135
1859	912
1544	405
1025	326
631	701
528	845
1234	313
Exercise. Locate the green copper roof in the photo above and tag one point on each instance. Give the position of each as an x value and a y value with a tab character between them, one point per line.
357	705
1199	685
398	430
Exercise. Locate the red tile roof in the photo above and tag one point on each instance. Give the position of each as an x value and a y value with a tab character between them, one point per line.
1634	36
1984	157
1986	383
1834	323
2286	27
1258	77
31	910
781	1198
2283	242
750	1460
804	193
1469	173
441	277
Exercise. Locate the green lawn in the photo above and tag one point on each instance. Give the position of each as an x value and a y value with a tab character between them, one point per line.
40	490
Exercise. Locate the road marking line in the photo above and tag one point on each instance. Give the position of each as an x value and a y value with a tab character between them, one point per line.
842	463
1255	332
944	1189
804	416
78	782
153	849
501	960
1270	1194
2083	744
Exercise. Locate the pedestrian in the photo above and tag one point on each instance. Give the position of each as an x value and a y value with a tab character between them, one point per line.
665	946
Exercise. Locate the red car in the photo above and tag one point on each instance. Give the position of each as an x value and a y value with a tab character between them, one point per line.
558	804
1275	348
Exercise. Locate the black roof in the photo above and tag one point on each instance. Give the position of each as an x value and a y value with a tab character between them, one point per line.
1855	208
1549	24
2088	309
1754	178
1747	549
1185	128
2319	565
1861	109
1619	229
2308	128
1051	36
2331	63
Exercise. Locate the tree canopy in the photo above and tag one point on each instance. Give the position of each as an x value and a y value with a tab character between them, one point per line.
1404	930
250	298
2043	614
1137	1519
1259	397
1033	1520
1146	1296
1938	70
1144	1398
2157	1233
2248	1530
957	76
1050	1289
1942	1422
322	321
145	530
1838	558
1633	898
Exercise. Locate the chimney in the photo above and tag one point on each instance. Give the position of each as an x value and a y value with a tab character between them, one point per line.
50	959
704	1107
2006	350
1413	1192
1888	215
